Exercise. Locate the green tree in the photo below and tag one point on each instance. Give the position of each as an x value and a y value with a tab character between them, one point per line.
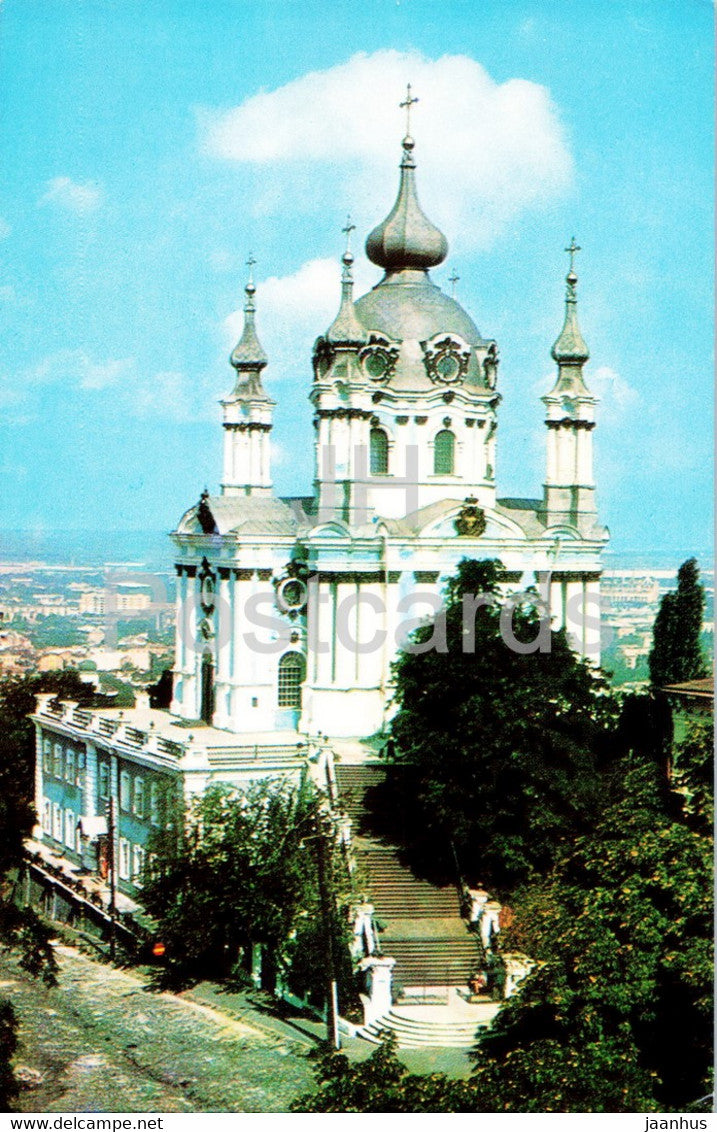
694	775
241	871
676	653
20	928
497	741
618	1016
382	1083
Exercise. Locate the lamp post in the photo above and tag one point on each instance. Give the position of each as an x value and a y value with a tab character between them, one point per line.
332	1004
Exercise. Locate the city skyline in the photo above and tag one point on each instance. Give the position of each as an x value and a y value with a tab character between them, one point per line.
160	151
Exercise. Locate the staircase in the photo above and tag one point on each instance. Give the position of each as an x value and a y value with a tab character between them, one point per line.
422	927
418	1027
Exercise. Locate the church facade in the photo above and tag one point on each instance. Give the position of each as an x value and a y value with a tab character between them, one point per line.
291	610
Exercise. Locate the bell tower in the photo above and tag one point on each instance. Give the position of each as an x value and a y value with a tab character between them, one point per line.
248	412
569	492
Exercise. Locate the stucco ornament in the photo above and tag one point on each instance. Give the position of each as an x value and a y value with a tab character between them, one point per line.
446	359
470	521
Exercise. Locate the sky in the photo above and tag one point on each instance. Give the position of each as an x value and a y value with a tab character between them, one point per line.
149	146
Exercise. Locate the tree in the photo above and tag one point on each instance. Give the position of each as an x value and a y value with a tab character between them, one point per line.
694	775
499	736
676	653
382	1083
240	871
618	1016
20	928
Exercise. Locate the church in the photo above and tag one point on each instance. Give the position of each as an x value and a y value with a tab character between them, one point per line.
291	610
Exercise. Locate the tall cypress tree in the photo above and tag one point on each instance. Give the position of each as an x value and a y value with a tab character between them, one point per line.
676	653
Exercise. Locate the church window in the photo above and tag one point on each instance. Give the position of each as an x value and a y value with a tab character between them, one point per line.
57	765
47	756
138	861
292	670
70	766
379	452
444	448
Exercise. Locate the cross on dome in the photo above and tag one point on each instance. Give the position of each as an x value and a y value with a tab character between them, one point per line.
347	229
571	250
406	105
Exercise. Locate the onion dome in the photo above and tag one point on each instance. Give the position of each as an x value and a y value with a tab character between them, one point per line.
406	239
346	329
248	355
570	347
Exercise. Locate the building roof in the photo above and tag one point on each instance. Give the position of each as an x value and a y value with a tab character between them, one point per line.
702	689
243	514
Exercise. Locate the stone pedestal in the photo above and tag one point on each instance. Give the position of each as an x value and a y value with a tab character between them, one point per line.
377	1000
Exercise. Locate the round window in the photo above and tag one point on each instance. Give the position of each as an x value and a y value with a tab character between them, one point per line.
448	367
376	365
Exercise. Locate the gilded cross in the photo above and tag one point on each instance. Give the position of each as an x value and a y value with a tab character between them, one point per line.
347	229
406	105
250	264
454	278
571	252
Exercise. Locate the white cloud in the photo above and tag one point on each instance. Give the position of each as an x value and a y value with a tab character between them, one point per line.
5	229
617	396
486	151
72	195
292	310
76	368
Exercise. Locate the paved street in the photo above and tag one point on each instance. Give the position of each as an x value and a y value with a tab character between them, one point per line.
100	1042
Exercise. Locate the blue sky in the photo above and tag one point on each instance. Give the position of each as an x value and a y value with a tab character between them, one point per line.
147	146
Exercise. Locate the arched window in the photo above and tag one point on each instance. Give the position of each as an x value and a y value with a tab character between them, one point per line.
444	451
379	452
292	670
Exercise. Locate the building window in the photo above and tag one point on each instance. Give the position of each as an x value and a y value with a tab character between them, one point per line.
47	756
104	780
154	803
70	829
292	669
138	857
57	764
81	762
124	858
444	451
70	766
47	817
56	821
378	443
139	797
125	796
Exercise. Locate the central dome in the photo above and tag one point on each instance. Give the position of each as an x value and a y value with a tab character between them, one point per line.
408	306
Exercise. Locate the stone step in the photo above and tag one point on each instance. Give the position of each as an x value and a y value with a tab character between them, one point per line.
414	1032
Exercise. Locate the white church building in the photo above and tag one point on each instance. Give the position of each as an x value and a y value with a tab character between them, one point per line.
291	610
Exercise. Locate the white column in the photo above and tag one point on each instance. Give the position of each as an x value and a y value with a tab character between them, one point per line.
89	785
39	781
575	615
557	608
